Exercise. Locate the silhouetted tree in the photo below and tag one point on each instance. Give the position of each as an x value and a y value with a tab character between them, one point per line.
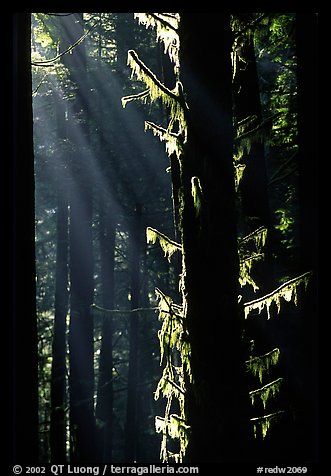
308	100
23	328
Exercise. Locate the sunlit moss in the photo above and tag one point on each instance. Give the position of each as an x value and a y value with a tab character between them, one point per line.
270	389
169	246
285	220
166	26
245	266
264	422
287	291
257	237
238	174
260	365
173	141
172	337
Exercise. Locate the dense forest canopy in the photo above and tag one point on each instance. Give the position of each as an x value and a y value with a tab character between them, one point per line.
175	292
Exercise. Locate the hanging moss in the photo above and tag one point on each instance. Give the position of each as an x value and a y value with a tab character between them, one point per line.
258	237
260	365
238	174
172	337
172	140
250	252
166	26
270	389
245	266
173	99
169	246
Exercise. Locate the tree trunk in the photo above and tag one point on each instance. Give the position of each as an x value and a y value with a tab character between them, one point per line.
136	235
81	330
59	349
254	192
23	329
307	51
216	402
104	408
81	343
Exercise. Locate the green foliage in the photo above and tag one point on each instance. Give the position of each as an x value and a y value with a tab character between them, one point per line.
285	220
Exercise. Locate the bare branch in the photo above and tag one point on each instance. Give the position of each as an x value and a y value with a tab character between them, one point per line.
123	311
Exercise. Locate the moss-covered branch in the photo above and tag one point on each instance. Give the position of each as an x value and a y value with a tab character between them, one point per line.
261	364
286	291
264	392
264	422
169	246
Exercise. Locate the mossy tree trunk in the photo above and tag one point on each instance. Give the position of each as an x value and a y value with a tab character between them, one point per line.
216	401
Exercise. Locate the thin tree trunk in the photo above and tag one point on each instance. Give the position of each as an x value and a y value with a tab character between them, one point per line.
58	376
59	348
105	397
131	409
23	327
